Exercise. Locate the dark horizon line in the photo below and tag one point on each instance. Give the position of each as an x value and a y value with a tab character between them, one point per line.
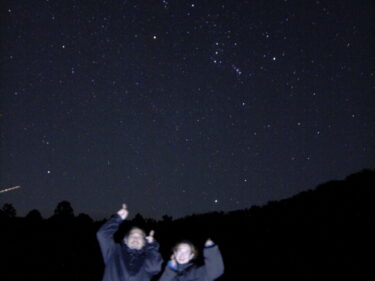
364	170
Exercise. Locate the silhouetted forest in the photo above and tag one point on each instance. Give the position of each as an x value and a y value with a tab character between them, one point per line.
321	234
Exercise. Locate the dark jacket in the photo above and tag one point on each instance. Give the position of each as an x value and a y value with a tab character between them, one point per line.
123	263
212	269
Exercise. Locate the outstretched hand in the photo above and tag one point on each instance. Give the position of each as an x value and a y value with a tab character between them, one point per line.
209	243
123	212
150	238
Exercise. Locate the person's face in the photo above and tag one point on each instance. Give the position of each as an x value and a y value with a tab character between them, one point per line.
183	253
135	239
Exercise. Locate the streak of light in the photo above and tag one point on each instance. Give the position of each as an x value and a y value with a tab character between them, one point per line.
10	188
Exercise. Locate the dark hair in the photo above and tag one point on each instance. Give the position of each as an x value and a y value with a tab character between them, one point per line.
193	249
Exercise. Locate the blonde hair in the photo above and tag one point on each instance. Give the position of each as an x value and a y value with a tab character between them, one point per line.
193	249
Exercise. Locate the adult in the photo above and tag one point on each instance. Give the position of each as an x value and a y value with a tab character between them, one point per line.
136	258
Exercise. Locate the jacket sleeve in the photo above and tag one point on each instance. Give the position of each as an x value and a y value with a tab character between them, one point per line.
105	236
153	259
168	274
214	264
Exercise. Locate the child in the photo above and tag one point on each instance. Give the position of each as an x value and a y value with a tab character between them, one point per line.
182	268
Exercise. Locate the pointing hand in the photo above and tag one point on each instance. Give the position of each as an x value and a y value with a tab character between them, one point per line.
123	212
150	238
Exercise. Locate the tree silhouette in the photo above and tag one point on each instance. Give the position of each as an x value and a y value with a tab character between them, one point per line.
64	209
84	219
167	218
9	211
320	232
139	221
34	215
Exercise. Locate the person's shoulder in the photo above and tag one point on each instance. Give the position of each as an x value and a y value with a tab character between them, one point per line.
196	270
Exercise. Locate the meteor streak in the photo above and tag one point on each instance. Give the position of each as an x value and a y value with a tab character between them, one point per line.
9	188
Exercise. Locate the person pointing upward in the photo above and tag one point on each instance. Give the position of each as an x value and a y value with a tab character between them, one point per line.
136	258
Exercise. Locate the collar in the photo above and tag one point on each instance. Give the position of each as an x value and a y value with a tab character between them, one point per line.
134	252
183	267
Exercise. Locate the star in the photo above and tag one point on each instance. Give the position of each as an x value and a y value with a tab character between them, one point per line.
186	97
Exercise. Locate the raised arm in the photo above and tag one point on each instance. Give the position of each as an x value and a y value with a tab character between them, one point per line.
213	260
106	231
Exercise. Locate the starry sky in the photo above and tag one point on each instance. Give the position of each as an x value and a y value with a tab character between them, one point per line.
178	107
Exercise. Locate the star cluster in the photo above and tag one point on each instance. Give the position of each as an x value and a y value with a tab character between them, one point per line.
179	107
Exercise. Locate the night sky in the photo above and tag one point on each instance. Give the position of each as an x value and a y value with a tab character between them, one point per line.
178	107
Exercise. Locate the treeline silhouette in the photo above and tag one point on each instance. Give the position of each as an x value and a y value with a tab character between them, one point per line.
320	234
